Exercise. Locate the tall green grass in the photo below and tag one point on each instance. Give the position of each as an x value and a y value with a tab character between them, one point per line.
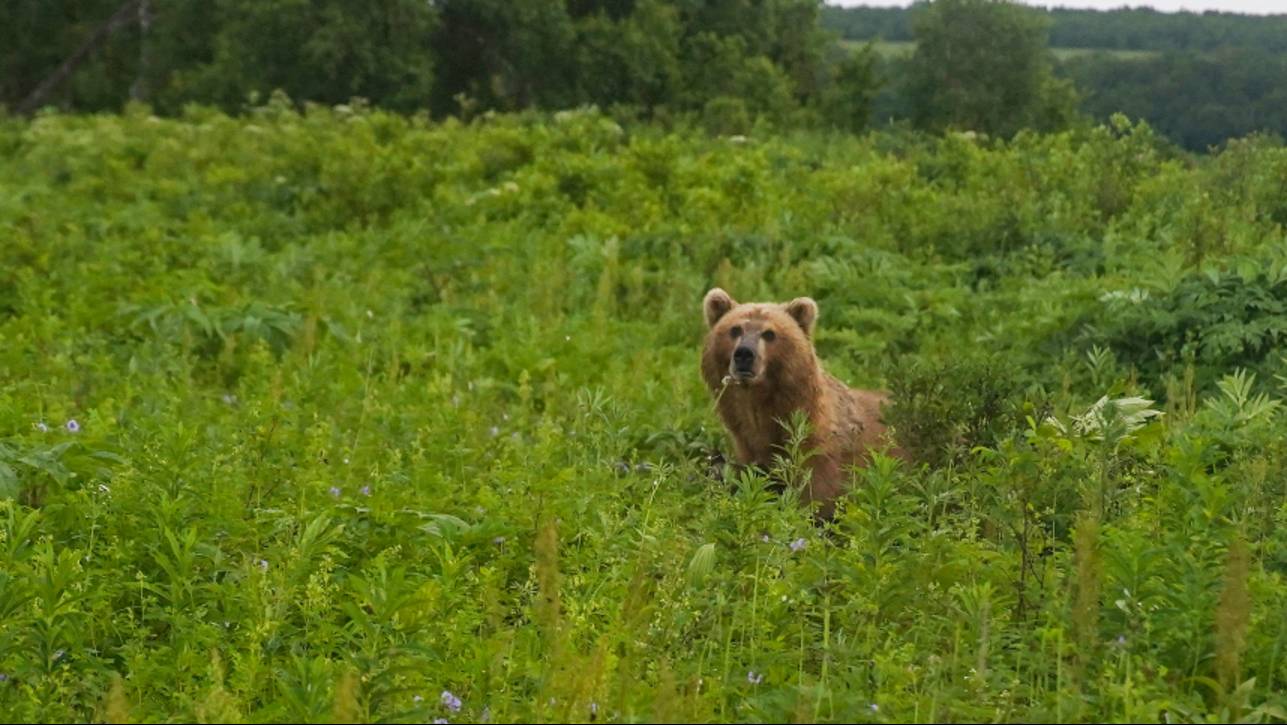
384	419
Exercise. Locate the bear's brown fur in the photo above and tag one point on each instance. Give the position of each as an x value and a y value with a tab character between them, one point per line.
777	372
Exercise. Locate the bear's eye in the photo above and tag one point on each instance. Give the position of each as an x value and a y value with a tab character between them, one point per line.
735	332
768	335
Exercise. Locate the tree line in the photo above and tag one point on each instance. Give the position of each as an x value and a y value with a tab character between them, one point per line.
1125	28
981	65
728	59
1200	79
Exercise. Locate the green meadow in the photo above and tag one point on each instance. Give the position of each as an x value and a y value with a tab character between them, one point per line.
342	415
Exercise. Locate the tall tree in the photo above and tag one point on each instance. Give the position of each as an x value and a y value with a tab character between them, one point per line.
983	65
320	50
505	54
71	53
847	99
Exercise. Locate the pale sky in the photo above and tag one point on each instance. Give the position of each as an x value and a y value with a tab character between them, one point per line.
1259	7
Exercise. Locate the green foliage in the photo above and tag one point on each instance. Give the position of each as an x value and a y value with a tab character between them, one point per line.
1198	99
462	57
942	409
1215	321
376	414
326	52
1200	79
1123	28
847	102
982	65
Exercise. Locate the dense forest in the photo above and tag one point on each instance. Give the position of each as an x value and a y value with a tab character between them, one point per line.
1126	28
725	64
1200	79
733	59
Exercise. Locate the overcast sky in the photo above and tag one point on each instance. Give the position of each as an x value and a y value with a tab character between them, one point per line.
1262	7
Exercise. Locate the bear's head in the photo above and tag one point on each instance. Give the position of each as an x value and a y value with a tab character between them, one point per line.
757	343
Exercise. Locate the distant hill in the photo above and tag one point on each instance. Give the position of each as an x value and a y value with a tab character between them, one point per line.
1199	78
1139	29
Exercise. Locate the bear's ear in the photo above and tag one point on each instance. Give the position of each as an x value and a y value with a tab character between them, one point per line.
805	311
716	304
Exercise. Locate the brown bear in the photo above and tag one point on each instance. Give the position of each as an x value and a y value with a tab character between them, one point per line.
760	365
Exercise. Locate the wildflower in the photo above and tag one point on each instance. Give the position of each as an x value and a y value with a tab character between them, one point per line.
3	677
103	488
799	544
450	701
875	707
346	461
498	540
73	426
442	720
59	655
335	491
1121	640
365	490
754	677
764	538
594	710
229	399
493	431
40	426
262	564
417	699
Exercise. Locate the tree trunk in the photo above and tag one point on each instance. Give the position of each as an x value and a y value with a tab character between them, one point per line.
123	16
139	90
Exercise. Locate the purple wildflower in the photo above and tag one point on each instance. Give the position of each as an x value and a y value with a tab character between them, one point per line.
875	707
4	677
799	544
335	491
365	490
450	701
40	426
73	426
262	564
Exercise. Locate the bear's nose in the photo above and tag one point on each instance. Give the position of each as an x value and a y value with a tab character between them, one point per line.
743	357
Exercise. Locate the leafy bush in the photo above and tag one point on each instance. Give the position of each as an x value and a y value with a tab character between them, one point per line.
1217	321
941	409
